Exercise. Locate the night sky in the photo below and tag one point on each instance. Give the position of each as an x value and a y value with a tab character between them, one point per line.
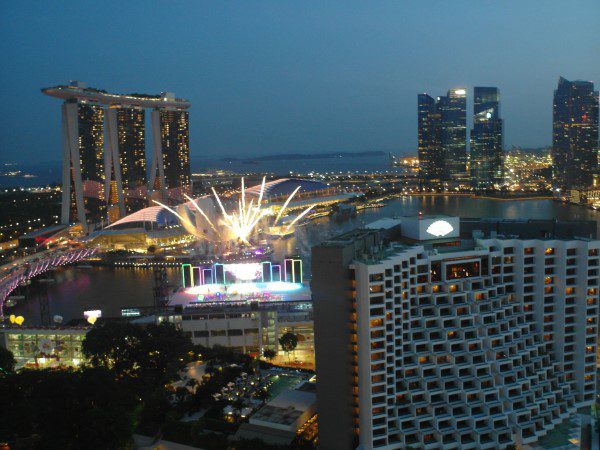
275	77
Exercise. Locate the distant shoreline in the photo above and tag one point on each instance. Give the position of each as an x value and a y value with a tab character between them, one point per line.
297	156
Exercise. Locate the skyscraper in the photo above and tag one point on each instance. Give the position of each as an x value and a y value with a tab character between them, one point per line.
98	180
442	130
427	339
170	171
486	158
453	111
127	145
83	195
575	134
431	160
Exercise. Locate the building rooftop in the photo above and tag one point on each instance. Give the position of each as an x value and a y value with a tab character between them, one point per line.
385	223
285	186
286	408
79	91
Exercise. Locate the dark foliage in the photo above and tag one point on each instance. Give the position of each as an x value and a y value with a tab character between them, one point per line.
63	409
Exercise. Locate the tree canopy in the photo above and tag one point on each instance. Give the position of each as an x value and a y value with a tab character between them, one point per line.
288	342
154	353
7	361
269	353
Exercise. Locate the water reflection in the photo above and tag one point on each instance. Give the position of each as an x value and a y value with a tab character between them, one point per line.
109	289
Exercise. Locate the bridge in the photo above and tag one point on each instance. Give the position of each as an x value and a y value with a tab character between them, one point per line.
28	267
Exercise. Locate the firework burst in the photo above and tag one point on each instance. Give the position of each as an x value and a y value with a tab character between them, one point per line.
240	222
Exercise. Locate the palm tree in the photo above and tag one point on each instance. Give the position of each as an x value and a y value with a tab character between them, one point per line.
288	342
269	354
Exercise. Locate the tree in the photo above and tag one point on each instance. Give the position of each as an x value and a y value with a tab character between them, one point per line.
66	409
7	361
262	394
288	342
153	354
269	354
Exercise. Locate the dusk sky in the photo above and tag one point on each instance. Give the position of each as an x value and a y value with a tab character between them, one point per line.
275	77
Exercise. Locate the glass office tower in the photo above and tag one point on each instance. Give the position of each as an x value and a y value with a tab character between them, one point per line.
431	161
575	134
453	136
486	162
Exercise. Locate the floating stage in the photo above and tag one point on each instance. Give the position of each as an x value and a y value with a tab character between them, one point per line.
241	283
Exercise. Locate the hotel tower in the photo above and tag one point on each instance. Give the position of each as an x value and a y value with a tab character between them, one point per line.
430	338
104	174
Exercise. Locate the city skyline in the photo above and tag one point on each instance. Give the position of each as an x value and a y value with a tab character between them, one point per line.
308	91
305	226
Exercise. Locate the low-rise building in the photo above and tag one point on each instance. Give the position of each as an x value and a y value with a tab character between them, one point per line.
250	328
42	347
279	420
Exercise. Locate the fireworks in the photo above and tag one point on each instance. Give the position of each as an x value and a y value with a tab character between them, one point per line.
238	224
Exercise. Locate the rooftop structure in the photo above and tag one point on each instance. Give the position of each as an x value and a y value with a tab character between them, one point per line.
278	421
285	186
288	411
79	91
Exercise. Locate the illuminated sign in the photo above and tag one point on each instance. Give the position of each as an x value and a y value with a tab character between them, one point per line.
460	91
440	228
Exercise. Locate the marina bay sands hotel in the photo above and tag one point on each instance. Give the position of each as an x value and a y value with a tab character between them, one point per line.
104	172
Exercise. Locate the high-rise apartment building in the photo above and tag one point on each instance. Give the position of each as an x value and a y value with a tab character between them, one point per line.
428	340
486	157
575	134
99	180
442	130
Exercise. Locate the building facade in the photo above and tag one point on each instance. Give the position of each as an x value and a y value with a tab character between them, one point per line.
171	172
83	194
453	343
486	156
431	161
126	168
442	131
106	177
250	328
575	134
453	116
43	347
